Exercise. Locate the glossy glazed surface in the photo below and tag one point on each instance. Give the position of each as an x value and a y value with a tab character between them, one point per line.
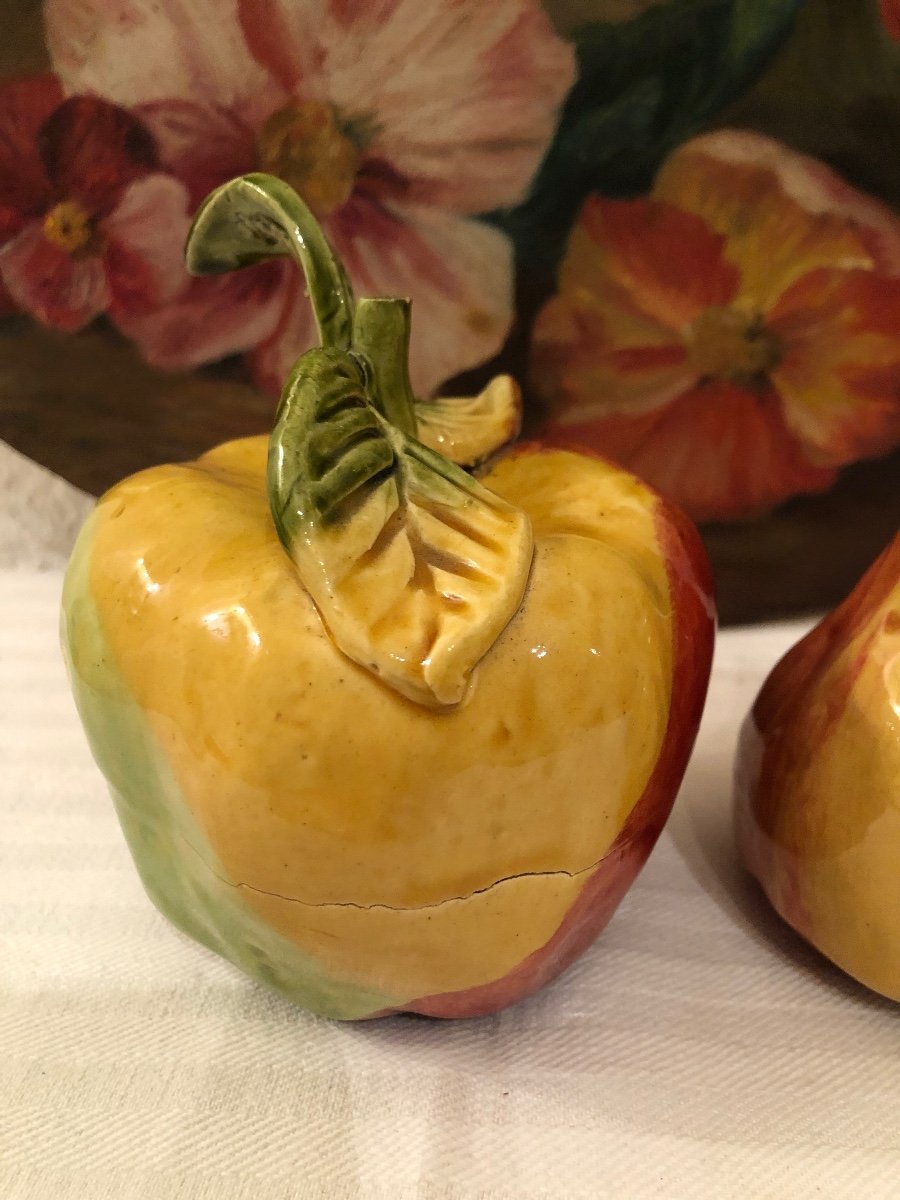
818	782
413	566
392	855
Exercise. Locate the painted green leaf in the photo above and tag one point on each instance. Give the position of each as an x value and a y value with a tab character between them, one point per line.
414	566
645	86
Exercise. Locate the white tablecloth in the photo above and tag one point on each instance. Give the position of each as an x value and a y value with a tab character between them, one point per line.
697	1050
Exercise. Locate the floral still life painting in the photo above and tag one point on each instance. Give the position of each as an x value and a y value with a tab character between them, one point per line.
674	222
397	122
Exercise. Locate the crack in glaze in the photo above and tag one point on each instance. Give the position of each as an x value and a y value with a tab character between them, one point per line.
420	907
249	887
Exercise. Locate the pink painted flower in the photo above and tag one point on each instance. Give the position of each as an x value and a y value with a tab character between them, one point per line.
396	120
88	222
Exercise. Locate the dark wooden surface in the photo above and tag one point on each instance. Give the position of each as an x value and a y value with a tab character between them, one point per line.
22	48
808	554
88	408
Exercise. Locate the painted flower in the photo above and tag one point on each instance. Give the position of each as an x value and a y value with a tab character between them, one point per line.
396	120
86	216
734	336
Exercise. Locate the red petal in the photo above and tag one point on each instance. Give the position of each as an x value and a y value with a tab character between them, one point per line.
640	359
294	331
144	238
839	377
12	219
8	306
719	452
203	144
24	188
282	39
594	353
670	261
93	150
50	284
131	279
890	14
211	319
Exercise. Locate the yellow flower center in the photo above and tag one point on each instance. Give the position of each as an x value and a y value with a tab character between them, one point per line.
307	146
725	343
70	226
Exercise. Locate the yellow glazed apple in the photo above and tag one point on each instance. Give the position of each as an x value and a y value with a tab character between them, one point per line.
384	735
818	782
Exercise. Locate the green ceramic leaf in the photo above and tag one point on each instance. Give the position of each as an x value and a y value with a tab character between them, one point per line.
415	567
469	429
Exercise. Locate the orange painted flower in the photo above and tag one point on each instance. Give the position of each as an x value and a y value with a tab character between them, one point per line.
734	337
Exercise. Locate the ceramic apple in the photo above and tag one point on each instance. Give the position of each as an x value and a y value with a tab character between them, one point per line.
385	735
818	782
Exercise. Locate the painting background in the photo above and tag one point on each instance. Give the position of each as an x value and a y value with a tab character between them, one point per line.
88	408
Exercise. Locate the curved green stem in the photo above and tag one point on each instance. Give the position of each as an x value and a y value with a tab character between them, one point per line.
381	335
257	217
